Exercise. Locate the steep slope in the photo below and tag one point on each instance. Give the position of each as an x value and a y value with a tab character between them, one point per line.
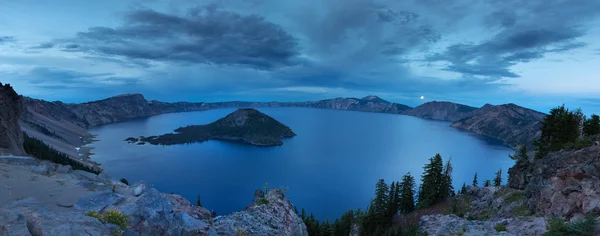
245	125
446	111
11	109
512	124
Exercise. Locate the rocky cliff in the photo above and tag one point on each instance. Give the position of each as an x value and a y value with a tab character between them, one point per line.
11	108
49	199
512	124
564	183
446	111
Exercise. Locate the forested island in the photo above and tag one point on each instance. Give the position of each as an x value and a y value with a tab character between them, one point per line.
245	125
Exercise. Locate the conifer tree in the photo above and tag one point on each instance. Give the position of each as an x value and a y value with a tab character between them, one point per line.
463	190
486	183
198	203
446	189
592	125
378	209
432	182
475	183
498	179
407	197
392	208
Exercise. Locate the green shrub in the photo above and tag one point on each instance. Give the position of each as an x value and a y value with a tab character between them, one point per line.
116	217
584	227
95	214
500	227
262	201
113	216
514	197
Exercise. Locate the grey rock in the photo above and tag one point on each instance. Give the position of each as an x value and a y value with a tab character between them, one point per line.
137	191
277	217
41	169
64	204
41	221
13	223
96	201
64	169
564	183
453	225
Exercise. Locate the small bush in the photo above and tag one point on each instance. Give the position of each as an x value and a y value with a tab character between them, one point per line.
513	197
123	180
262	201
95	214
241	232
116	217
500	227
112	216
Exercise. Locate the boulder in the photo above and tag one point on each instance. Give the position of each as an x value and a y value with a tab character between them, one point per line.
64	169
137	191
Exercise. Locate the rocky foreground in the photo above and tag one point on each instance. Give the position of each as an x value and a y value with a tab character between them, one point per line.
564	184
42	198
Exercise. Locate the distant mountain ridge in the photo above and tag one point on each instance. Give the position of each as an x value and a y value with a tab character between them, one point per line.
62	125
515	125
446	111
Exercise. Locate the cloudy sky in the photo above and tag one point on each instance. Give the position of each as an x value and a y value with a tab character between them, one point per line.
537	53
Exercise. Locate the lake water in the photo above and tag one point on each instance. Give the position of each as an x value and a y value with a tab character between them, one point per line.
331	166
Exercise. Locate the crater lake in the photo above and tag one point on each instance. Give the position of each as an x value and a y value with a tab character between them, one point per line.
330	167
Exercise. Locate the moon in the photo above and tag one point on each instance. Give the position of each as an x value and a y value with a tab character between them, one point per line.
422	97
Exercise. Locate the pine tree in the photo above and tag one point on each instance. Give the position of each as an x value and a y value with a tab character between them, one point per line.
486	183
407	194
446	189
463	190
392	208
378	209
592	125
498	179
475	183
303	215
198	203
432	182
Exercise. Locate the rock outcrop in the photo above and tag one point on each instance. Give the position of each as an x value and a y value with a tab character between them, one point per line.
148	211
454	225
512	124
275	215
564	183
11	108
446	111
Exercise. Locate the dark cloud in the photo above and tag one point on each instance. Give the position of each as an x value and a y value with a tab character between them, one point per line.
43	46
495	57
41	75
7	39
536	29
205	35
